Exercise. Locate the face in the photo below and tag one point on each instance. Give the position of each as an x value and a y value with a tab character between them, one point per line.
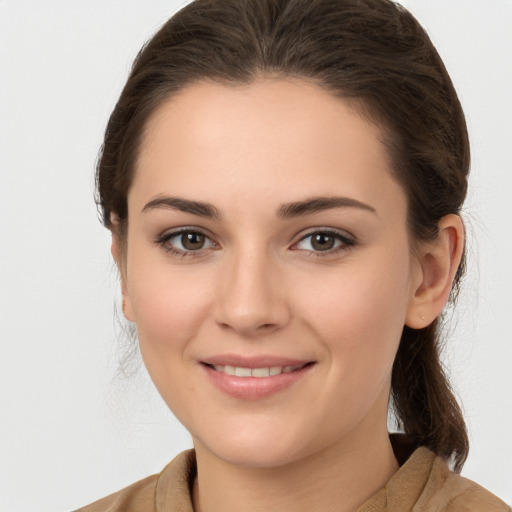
268	269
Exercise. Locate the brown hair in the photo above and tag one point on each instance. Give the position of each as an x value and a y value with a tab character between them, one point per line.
372	52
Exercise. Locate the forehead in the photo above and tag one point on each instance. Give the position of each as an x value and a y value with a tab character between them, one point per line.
268	137
208	109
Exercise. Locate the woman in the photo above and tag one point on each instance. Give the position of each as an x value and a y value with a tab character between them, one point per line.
283	181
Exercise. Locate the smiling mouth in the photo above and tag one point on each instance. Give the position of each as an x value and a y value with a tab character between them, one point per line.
252	380
270	371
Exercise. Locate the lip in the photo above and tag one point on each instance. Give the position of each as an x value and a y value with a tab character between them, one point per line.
259	361
254	388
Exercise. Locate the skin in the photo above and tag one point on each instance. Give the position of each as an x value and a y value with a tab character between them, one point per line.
259	286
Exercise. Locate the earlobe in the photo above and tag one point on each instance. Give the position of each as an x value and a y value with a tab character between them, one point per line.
116	254
438	262
126	306
114	249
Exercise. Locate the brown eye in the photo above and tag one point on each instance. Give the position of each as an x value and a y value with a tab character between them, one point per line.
322	241
192	241
185	242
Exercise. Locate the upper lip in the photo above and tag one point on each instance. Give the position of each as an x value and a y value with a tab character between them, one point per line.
259	361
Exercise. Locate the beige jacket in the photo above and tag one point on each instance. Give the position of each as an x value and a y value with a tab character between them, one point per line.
423	484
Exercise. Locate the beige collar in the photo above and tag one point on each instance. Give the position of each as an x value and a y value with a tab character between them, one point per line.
402	492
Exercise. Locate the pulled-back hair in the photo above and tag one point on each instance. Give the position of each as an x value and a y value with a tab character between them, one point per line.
372	53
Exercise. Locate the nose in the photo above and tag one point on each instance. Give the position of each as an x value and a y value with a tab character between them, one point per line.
252	296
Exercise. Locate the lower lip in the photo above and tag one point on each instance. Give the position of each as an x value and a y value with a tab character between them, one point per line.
254	388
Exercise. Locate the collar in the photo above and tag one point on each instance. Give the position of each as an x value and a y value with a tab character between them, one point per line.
404	489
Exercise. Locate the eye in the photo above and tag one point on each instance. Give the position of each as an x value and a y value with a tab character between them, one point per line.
324	241
185	242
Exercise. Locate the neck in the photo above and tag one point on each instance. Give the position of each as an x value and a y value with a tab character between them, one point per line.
341	478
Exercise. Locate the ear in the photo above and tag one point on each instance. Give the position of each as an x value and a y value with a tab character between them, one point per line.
119	258
438	261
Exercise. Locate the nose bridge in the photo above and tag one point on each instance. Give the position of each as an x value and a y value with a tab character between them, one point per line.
251	299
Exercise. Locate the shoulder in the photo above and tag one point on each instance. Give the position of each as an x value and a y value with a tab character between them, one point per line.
425	483
451	492
136	497
171	486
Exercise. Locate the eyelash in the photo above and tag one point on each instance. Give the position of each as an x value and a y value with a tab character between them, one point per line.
163	241
345	242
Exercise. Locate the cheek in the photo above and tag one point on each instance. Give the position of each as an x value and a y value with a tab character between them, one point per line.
359	314
168	309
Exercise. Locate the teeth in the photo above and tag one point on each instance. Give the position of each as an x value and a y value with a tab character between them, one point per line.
260	372
243	372
230	370
255	372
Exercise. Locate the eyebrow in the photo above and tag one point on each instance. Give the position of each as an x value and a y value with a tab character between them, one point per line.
184	205
320	204
285	211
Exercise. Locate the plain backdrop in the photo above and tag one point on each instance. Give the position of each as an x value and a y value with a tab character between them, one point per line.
71	431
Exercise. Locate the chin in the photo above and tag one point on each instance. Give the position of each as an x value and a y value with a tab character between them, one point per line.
253	446
257	457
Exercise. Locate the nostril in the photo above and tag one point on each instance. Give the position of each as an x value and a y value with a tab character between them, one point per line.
250	314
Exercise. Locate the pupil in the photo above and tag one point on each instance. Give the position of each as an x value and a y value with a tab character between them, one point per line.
192	241
323	242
